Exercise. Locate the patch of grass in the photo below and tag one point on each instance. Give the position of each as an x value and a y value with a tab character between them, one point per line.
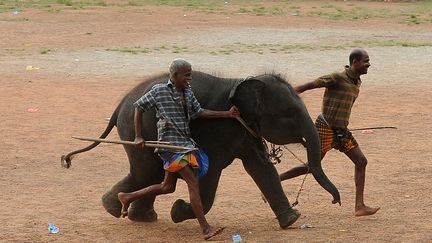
261	10
328	6
147	50
294	7
179	49
263	48
45	51
409	13
228	49
276	11
101	3
160	48
354	13
50	5
131	50
420	12
412	19
424	7
65	2
200	5
243	11
239	47
14	51
391	42
53	10
18	19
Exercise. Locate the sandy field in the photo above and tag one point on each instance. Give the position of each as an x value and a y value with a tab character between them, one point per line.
62	73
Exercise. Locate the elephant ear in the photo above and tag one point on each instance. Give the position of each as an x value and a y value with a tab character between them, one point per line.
246	96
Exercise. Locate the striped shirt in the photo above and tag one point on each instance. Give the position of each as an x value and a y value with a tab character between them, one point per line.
342	89
173	116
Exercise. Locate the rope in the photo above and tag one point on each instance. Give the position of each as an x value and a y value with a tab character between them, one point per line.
275	154
296	202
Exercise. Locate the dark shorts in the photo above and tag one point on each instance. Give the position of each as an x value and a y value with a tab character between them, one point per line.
341	139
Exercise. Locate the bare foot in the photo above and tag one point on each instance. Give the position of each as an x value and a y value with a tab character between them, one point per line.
210	232
125	204
365	210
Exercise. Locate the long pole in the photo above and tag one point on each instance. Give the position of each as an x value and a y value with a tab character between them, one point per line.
372	128
151	144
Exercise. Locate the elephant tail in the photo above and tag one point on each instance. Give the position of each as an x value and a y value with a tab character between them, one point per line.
66	160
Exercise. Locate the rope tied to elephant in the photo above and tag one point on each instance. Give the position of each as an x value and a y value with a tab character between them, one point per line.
275	154
304	178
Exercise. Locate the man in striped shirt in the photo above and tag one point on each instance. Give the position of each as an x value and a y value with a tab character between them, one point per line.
175	106
342	89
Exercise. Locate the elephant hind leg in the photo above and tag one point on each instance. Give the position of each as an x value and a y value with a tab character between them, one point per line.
110	200
141	210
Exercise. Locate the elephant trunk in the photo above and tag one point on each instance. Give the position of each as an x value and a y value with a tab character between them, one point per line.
314	158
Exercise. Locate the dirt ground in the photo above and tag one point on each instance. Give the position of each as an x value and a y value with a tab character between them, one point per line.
75	86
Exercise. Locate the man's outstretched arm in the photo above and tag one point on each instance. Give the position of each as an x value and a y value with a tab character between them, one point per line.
307	86
233	112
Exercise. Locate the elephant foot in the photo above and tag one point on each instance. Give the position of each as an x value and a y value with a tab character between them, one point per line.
142	213
110	200
180	211
138	215
288	218
111	204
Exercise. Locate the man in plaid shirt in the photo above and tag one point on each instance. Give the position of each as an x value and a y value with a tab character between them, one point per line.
342	89
176	105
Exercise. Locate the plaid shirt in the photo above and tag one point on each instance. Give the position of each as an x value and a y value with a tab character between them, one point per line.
173	118
342	89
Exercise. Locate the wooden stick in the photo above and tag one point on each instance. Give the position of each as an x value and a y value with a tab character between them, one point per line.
158	142
151	144
371	128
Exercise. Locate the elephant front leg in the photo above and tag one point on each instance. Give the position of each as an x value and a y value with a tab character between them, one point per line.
266	177
140	210
182	210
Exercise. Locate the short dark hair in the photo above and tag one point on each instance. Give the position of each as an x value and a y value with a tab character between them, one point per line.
356	54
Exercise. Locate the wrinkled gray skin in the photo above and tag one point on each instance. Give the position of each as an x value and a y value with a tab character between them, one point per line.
269	106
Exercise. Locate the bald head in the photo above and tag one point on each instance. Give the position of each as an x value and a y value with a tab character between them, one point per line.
356	54
359	61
